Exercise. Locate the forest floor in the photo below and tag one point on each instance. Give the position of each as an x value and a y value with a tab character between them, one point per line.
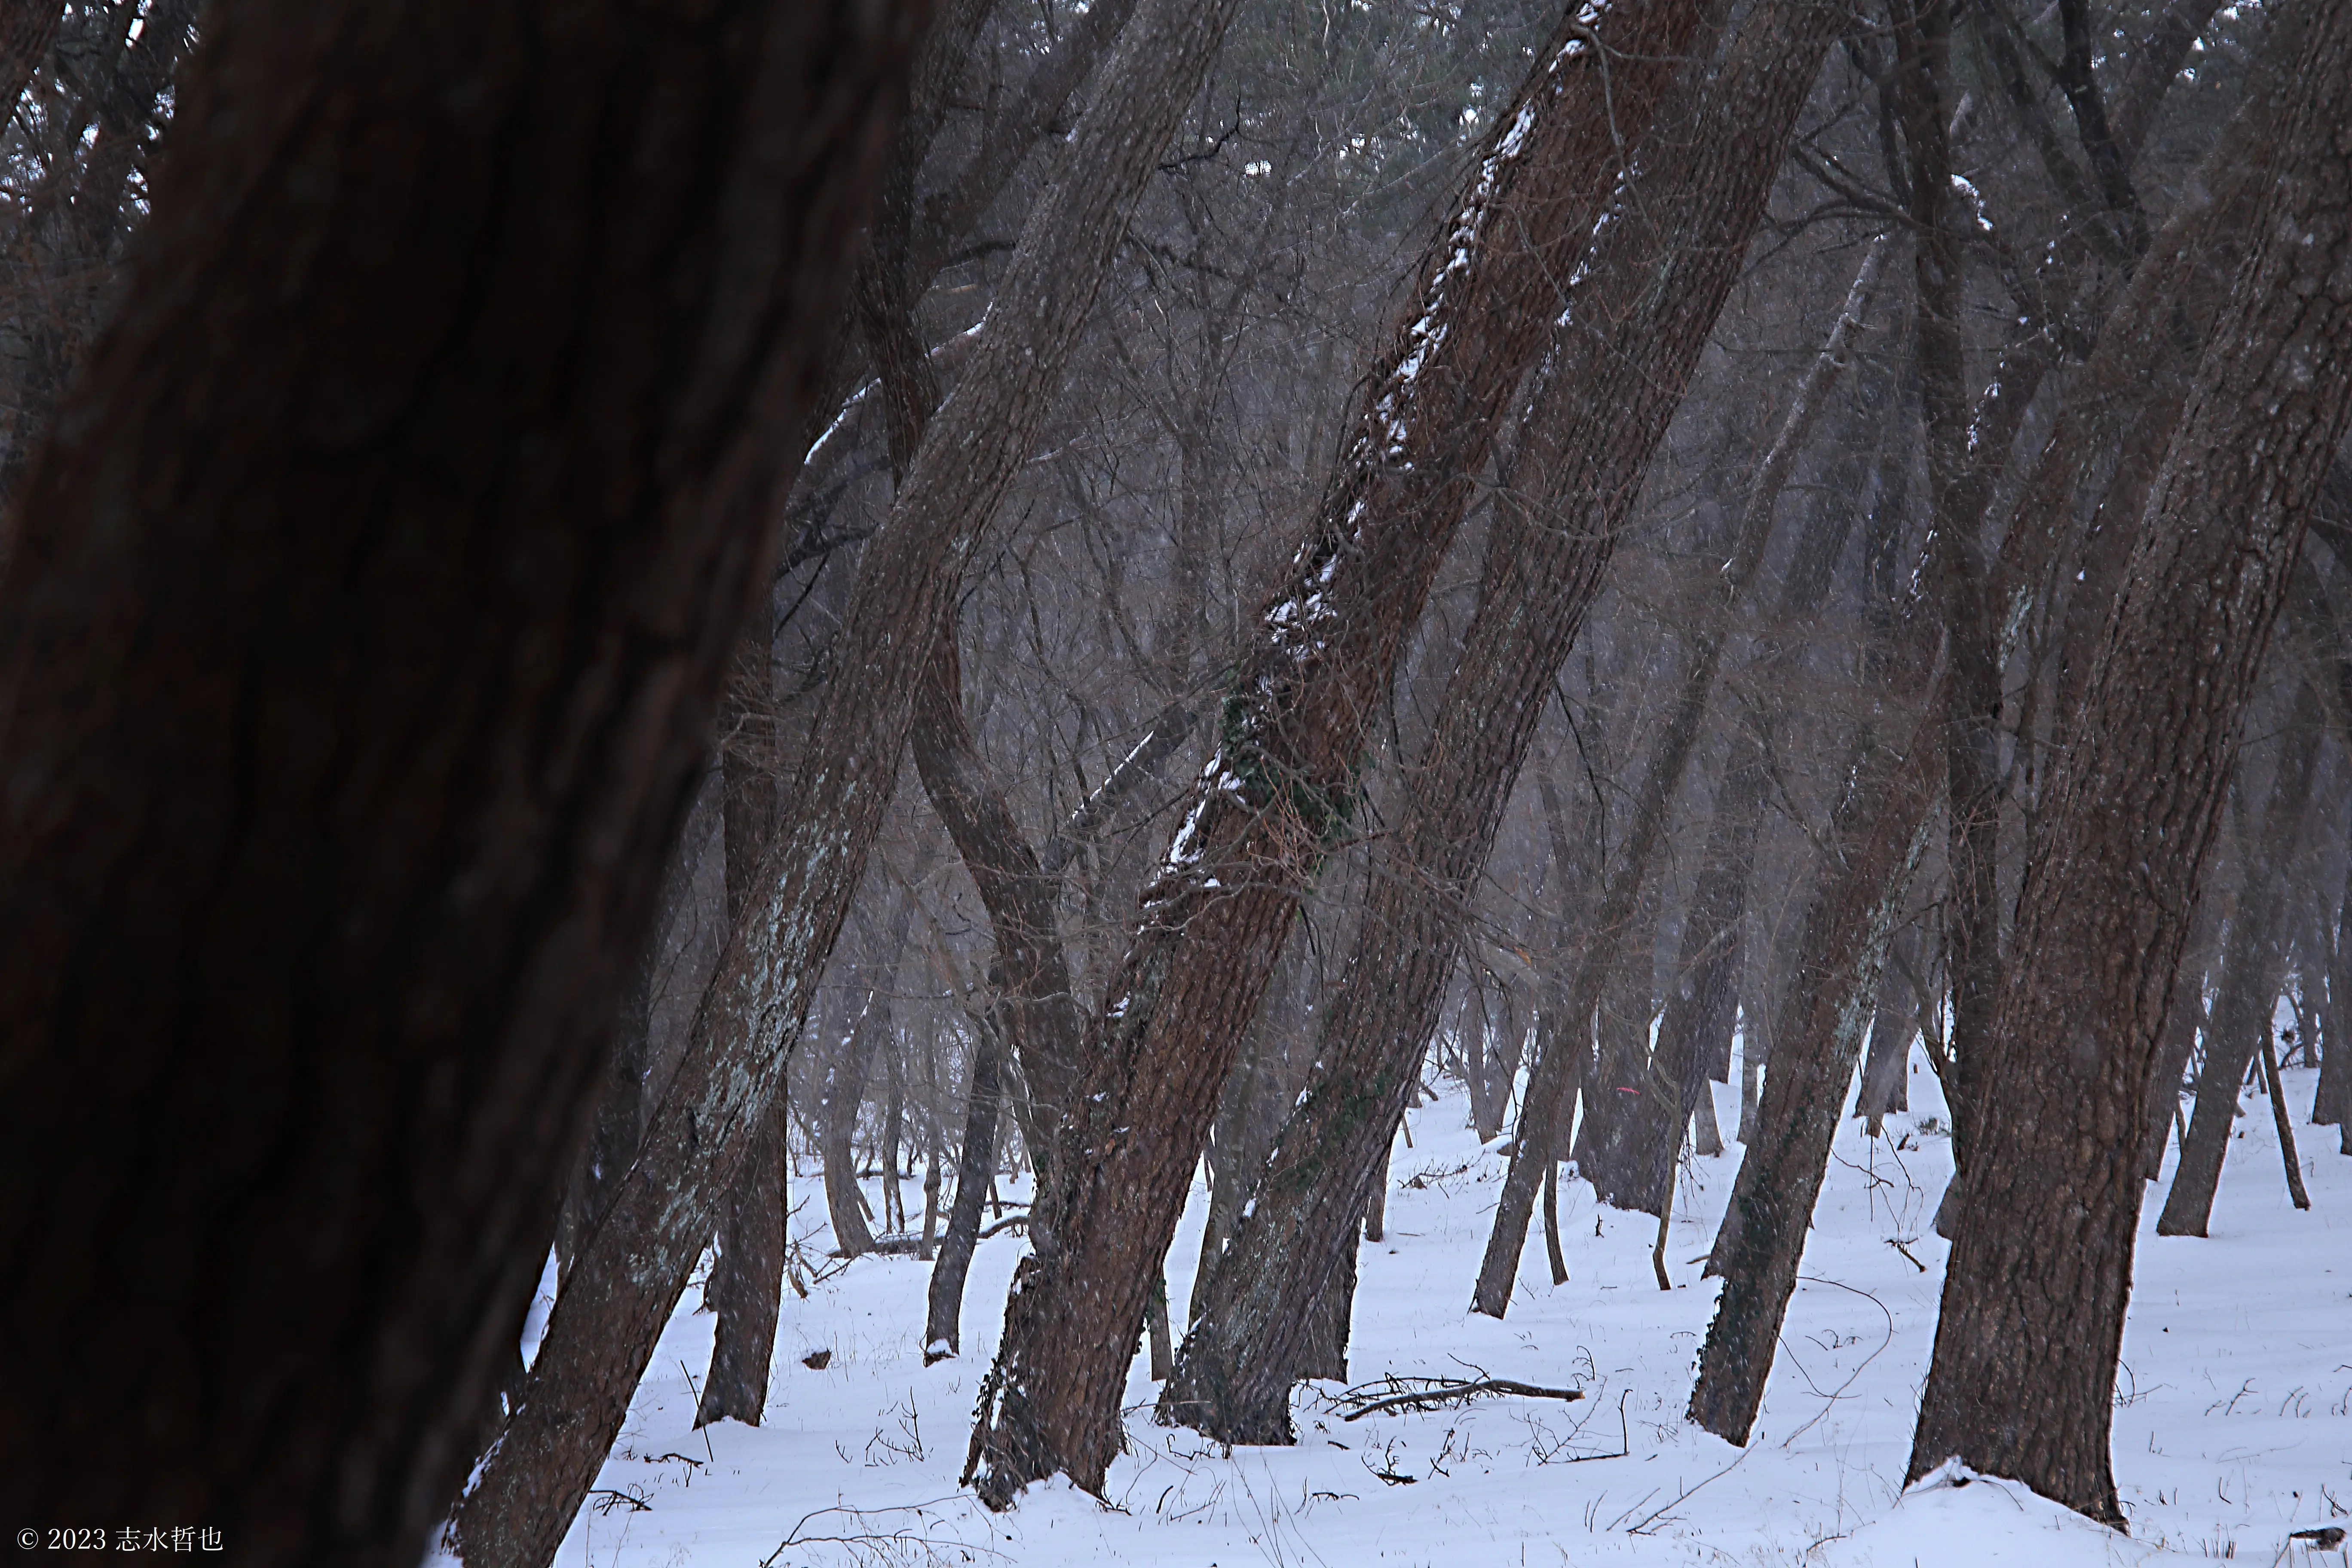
2233	1423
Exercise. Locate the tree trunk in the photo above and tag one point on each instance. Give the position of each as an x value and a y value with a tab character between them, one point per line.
2283	1123
332	825
1881	825
747	1281
2332	1103
614	1135
1819	1026
2022	1380
943	1324
1808	35
62	281
27	28
1281	787
1886	1071
2254	971
1703	1009
1961	475
1233	1376
907	574
845	1086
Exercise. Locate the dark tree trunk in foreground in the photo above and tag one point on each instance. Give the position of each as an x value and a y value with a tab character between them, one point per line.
1584	442
602	1332
361	640
68	233
1281	787
2253	972
2023	1381
27	28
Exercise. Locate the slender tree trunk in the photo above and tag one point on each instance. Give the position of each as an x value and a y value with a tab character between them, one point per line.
1233	1376
1817	1040
1552	1253
1702	1009
845	1086
613	1136
747	1283
943	1325
2332	1104
1886	1072
1281	787
2022	1379
2254	971
2283	1123
1961	474
599	1338
1637	856
353	994
2184	1017
1707	1135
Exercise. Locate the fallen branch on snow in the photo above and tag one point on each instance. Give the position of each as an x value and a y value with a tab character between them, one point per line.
1395	1393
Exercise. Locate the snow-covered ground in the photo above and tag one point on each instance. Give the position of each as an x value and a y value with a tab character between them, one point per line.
2233	1423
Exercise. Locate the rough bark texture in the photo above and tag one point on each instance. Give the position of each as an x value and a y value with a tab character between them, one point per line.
361	642
2022	1379
1281	785
2253	972
27	28
1233	1376
747	1279
601	1335
1819	1023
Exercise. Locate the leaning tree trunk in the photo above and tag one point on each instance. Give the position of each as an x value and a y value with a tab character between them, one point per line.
328	833
747	1280
2332	1102
602	1335
1234	1377
1281	786
2184	1018
1885	1071
1543	1114
2253	972
1702	1005
1818	1027
943	1319
65	251
620	1119
2022	1379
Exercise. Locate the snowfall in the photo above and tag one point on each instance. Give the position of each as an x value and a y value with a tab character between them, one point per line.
2233	1419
